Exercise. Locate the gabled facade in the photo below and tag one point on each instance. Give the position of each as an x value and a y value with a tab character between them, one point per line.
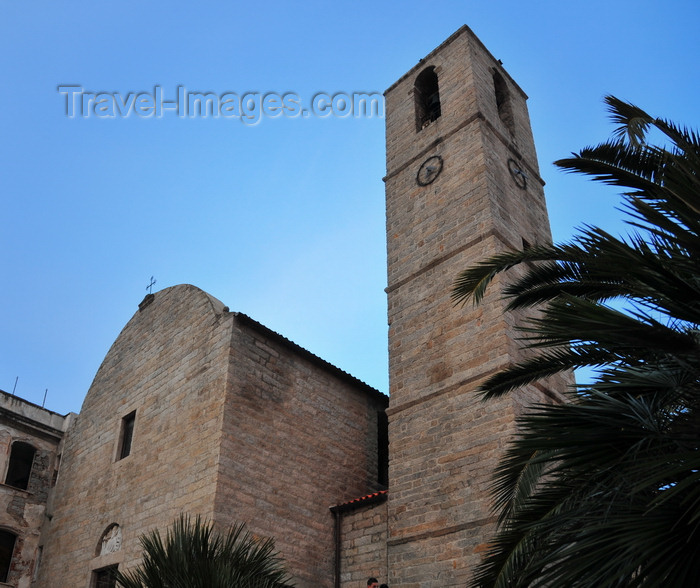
199	410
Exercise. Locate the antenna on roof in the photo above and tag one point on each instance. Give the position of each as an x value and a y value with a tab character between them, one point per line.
45	393
15	386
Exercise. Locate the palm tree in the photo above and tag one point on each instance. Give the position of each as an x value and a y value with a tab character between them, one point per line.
193	555
604	490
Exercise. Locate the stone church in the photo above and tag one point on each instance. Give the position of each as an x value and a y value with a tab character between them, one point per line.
197	409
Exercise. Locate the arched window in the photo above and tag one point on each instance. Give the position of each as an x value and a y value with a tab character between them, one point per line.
427	98
20	468
503	103
7	547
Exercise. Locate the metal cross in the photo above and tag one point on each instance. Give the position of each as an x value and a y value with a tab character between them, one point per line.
150	286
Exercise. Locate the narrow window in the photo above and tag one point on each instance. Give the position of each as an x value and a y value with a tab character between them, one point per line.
104	578
382	448
503	102
7	547
20	468
127	434
427	98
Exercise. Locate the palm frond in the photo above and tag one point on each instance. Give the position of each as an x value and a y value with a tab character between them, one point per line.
604	490
194	555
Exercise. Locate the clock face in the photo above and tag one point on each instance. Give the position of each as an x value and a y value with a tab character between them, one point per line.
519	176
429	170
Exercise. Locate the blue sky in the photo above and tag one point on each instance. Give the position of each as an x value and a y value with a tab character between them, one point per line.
282	220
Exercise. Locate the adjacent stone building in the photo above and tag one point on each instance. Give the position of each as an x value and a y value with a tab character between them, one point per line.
200	410
30	447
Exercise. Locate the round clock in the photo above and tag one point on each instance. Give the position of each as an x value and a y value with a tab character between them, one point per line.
429	170
519	176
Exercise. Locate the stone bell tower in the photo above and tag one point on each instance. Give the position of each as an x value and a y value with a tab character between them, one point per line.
462	183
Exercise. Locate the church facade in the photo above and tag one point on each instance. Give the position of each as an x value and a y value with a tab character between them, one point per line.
200	410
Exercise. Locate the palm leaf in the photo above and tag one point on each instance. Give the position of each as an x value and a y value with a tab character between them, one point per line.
604	490
193	555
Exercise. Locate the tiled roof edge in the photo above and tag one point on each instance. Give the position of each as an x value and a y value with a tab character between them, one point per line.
370	499
315	359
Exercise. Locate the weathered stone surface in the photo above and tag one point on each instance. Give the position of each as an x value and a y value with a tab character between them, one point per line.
232	422
22	511
444	441
363	541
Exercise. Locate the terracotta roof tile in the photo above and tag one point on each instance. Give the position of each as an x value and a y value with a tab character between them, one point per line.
369	499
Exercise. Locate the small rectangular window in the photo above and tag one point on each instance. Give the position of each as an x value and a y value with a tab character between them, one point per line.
104	578
127	434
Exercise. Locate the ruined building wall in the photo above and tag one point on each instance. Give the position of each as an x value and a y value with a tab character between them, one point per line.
24	497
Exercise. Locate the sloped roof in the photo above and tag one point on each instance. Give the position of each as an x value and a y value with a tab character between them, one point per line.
370	499
247	321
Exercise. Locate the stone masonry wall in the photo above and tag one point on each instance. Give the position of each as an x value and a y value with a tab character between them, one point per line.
297	440
444	441
169	364
22	510
232	422
363	540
